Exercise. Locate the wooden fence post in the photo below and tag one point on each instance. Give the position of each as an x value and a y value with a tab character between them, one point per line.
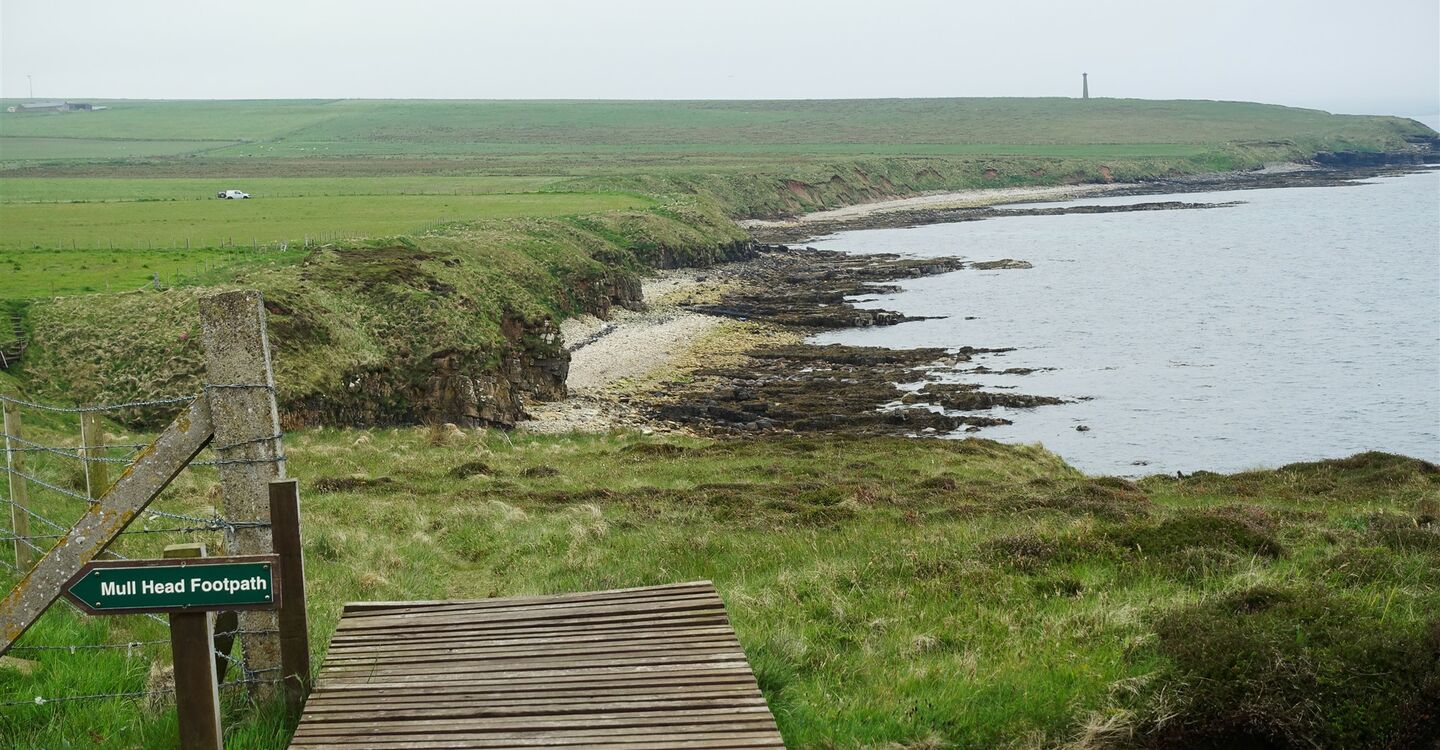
241	391
19	492
294	624
226	623
92	437
197	695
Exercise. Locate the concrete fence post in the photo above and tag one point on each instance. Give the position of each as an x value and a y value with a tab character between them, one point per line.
241	389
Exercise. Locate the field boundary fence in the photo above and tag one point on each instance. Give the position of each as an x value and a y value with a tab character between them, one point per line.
70	502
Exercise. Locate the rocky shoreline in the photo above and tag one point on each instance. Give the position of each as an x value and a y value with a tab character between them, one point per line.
921	213
801	387
755	373
751	370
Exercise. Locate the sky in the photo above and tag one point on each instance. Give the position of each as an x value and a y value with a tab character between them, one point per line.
1377	57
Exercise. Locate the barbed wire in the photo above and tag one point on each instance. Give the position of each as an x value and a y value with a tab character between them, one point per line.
72	453
191	524
53	488
91	646
36	515
260	386
42	701
237	444
98	407
277	458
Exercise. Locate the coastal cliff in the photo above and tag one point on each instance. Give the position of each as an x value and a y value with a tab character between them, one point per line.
460	324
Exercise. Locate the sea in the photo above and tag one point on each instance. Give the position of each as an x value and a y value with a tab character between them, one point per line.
1301	324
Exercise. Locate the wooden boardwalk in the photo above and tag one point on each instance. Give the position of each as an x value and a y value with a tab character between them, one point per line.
634	669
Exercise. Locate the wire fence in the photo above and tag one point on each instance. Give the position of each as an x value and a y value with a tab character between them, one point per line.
57	506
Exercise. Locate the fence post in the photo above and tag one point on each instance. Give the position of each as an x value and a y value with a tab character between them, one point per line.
241	392
226	623
197	694
92	437
19	493
294	624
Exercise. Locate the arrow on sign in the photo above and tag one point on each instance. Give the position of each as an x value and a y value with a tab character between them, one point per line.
125	587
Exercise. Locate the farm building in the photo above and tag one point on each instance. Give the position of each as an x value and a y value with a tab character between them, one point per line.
54	106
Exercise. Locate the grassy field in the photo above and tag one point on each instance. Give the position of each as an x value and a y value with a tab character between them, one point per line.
349	128
262	220
86	190
31	274
141	174
889	593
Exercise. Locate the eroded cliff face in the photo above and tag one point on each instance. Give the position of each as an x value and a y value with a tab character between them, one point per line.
472	387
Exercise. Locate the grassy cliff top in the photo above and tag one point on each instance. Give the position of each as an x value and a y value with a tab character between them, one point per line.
890	593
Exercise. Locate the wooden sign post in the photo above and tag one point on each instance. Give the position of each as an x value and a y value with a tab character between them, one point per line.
294	625
197	692
190	587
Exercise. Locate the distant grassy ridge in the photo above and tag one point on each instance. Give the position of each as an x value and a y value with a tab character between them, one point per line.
361	127
748	156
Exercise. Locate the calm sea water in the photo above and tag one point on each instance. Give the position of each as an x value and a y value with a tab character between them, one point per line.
1303	324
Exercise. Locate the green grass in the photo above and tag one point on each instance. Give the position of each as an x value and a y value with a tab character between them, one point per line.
298	128
141	174
367	310
31	274
267	220
170	120
888	592
896	127
80	189
29	148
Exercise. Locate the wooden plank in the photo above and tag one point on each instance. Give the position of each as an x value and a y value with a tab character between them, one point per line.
633	669
578	623
154	467
460	653
733	736
461	699
699	603
361	609
736	673
365	728
522	643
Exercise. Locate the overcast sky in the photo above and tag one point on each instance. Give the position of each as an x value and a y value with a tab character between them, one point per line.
1380	56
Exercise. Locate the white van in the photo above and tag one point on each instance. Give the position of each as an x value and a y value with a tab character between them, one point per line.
232	194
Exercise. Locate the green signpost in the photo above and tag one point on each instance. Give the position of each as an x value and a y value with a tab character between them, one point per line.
124	587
